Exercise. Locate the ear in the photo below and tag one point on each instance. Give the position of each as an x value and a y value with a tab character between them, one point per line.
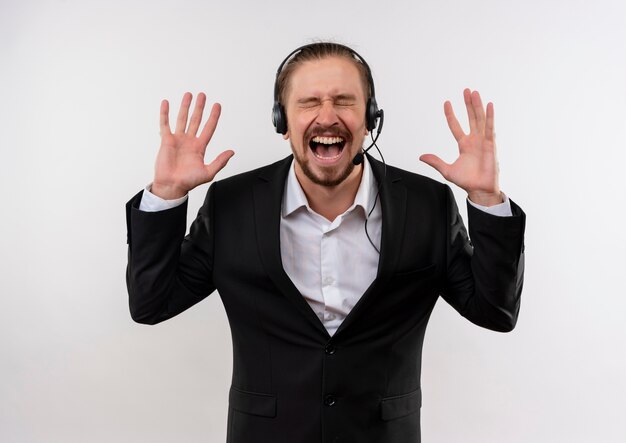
286	135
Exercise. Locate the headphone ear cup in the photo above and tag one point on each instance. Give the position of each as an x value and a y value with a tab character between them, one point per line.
371	114
279	118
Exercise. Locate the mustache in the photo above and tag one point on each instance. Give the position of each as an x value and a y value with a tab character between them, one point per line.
331	131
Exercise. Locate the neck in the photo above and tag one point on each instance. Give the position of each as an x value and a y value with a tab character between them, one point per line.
331	201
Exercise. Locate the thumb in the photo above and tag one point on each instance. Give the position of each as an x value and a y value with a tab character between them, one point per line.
218	164
436	162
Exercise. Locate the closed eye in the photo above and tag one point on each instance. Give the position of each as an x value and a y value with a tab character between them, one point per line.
308	102
344	103
345	100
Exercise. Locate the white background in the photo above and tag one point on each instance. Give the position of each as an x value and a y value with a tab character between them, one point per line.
80	86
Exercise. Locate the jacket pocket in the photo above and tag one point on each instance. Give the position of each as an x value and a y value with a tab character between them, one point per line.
252	403
401	405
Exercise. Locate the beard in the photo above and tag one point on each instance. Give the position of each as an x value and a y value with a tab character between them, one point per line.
330	176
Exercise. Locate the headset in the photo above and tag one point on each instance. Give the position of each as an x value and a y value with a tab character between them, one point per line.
372	113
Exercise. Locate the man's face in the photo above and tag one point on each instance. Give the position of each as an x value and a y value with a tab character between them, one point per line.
325	108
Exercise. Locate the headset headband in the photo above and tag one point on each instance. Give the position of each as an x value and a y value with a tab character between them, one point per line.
287	59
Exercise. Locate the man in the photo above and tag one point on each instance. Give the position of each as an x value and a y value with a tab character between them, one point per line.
328	268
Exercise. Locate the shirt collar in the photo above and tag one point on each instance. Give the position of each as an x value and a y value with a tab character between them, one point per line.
294	197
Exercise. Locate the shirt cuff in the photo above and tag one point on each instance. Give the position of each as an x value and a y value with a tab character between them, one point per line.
500	210
152	203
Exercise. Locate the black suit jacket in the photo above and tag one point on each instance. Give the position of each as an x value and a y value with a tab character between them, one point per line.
292	382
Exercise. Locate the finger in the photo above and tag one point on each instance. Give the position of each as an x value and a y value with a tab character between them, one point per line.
181	122
196	117
479	111
453	123
471	115
218	164
164	120
211	124
490	133
437	163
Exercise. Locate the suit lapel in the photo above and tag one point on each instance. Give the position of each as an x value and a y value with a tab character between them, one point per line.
393	205
268	194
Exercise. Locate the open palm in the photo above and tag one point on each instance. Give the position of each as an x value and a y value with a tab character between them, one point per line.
180	163
476	168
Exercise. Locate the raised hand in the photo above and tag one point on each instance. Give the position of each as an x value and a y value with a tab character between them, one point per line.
180	163
476	168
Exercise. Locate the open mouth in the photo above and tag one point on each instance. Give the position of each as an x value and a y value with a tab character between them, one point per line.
327	148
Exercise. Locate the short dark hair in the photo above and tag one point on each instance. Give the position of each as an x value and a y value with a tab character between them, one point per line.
319	51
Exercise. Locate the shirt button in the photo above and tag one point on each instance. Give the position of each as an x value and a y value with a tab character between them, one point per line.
330	349
330	400
328	281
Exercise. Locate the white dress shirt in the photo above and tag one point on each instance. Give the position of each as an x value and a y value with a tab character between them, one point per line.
331	263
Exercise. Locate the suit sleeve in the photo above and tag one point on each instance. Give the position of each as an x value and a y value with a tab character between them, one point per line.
168	272
485	276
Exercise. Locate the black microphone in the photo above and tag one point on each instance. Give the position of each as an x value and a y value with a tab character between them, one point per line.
359	157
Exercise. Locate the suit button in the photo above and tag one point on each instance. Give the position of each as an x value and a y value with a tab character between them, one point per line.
330	400
330	349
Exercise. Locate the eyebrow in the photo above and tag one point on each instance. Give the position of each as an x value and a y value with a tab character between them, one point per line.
348	97
306	100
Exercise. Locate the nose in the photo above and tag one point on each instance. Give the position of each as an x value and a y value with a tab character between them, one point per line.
328	115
